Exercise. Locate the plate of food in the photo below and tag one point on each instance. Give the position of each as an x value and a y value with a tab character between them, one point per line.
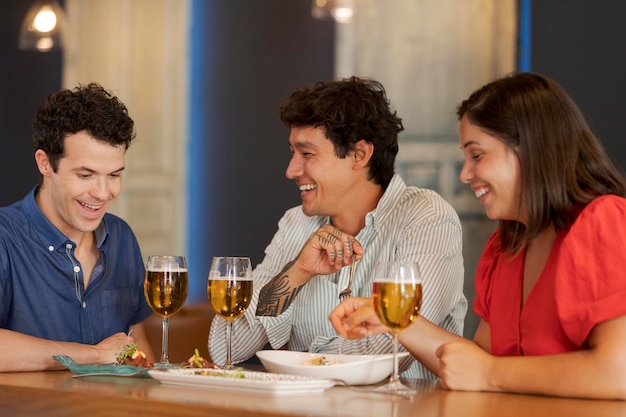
351	369
241	380
131	361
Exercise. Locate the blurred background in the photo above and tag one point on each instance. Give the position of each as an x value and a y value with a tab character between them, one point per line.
203	80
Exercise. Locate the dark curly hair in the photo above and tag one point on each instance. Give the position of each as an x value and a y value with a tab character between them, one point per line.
349	110
88	107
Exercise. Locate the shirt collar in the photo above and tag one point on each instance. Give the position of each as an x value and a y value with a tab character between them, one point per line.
387	204
50	236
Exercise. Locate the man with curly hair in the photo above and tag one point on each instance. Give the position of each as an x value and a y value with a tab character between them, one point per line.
71	274
355	210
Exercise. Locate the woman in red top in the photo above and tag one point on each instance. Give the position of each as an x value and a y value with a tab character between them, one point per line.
551	282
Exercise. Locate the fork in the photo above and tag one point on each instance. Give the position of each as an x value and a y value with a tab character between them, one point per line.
347	292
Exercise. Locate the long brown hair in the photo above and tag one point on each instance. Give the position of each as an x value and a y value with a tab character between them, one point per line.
562	163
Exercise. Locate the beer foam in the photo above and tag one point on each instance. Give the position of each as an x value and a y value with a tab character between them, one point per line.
177	269
218	277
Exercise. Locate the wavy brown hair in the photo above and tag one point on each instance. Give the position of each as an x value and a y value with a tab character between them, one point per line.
349	110
562	163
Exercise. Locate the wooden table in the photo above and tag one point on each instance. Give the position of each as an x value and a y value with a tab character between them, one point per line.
57	394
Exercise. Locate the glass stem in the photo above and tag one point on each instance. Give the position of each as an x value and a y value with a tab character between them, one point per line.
229	332
164	354
395	379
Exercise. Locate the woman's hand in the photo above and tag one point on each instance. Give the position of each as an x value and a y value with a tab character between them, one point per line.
355	318
464	366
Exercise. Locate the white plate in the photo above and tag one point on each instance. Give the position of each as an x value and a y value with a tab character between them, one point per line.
238	380
353	369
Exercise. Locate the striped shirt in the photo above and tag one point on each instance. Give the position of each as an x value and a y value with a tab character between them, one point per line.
409	224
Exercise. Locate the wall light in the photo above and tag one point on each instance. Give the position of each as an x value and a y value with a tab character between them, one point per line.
340	10
44	27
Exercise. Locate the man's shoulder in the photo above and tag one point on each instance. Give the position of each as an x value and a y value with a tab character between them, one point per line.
425	197
20	212
399	194
116	223
118	233
12	216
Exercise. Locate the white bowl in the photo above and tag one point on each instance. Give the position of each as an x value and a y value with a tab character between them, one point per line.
353	369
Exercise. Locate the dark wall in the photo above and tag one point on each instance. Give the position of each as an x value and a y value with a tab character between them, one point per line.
581	44
247	55
26	78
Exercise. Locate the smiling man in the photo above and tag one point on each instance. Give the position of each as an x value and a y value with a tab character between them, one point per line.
355	209
71	274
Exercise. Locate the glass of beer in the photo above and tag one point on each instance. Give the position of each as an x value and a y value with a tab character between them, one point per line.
397	297
229	289
165	287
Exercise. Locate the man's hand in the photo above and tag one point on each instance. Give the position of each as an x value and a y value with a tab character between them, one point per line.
326	251
109	348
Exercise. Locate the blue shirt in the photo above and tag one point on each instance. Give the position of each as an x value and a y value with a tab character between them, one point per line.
42	292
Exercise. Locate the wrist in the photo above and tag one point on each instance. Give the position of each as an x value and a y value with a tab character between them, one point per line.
298	275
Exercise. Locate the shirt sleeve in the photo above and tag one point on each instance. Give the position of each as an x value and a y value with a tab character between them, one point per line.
5	282
432	236
590	283
252	333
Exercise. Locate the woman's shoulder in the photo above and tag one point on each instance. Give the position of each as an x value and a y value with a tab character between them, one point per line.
589	279
609	210
598	229
608	202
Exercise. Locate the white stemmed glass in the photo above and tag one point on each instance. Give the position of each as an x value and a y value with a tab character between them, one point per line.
397	296
165	287
229	289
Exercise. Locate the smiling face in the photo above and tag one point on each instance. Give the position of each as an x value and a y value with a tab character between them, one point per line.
325	180
87	181
492	169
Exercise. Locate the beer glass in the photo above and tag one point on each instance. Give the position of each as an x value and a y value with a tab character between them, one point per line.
397	296
165	287
229	289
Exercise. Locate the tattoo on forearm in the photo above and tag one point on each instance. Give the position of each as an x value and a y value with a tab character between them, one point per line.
277	295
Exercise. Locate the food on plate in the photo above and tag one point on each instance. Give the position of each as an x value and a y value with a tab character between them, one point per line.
321	361
131	355
224	373
197	361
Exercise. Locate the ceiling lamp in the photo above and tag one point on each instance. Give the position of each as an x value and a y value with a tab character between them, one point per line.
340	10
43	28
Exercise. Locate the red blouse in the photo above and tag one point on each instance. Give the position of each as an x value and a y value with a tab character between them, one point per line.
583	283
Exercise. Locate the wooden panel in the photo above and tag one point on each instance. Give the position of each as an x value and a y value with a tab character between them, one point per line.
430	55
138	49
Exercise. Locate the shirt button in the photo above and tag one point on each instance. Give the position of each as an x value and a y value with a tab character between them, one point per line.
84	304
50	248
69	246
77	269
